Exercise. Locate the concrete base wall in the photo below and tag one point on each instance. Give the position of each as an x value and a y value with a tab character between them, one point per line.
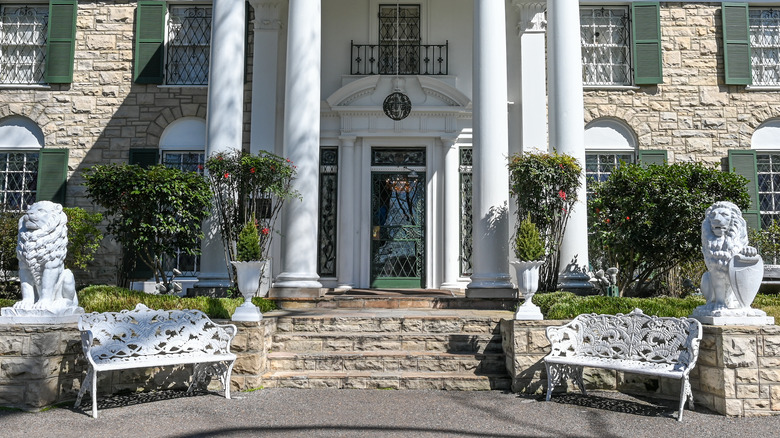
737	374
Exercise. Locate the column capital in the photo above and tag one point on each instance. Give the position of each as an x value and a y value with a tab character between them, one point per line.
532	16
449	140
347	140
266	15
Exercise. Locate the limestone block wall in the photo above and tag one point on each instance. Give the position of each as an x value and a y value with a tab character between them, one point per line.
693	114
41	365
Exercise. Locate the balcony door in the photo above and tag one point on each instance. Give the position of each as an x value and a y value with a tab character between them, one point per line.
399	39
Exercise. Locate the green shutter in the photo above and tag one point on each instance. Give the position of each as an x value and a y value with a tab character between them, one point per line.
149	42
52	175
736	44
61	41
646	43
144	157
743	162
658	156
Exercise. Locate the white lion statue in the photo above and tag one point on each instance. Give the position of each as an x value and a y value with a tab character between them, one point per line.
47	287
734	269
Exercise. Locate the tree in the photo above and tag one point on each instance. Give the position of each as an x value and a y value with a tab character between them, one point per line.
645	220
153	212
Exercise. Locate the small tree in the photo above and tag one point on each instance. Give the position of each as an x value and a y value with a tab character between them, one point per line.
83	236
545	189
247	186
153	211
529	245
646	220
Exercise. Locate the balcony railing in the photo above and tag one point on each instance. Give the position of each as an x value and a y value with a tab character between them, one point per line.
402	59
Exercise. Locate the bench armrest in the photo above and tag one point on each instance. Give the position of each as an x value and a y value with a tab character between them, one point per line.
87	339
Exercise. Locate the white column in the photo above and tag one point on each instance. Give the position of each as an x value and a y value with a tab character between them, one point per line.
451	270
264	83
491	142
224	116
533	78
348	232
301	145
567	128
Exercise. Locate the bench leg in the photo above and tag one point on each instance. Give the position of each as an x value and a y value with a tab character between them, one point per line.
94	394
556	373
576	374
685	394
201	376
84	385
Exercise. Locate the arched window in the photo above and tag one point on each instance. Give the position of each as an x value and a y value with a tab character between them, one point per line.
183	144
766	142
608	143
20	143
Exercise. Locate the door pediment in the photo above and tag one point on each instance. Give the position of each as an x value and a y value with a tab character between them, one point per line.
426	94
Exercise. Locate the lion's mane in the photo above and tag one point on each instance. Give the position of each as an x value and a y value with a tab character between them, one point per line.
719	250
39	247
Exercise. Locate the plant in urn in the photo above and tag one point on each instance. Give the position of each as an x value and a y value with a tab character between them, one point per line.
529	250
249	270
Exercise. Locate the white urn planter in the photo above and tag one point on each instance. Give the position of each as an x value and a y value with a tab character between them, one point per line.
248	276
527	284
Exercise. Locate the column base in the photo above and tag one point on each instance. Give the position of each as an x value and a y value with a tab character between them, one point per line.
296	292
576	283
491	292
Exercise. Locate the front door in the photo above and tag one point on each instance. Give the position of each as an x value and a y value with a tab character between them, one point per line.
397	229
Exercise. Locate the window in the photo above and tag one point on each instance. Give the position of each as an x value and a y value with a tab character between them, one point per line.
23	43
172	44
599	165
189	42
605	46
621	45
399	39
765	45
608	143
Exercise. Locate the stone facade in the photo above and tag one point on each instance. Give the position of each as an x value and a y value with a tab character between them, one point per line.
41	365
693	114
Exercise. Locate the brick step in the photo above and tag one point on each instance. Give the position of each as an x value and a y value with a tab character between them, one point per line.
373	324
386	380
453	343
390	361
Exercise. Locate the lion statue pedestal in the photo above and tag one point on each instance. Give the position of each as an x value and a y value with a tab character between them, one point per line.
734	270
48	289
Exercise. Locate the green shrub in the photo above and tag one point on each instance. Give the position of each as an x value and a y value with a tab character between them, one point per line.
9	230
153	212
83	237
248	244
529	245
116	299
645	220
544	187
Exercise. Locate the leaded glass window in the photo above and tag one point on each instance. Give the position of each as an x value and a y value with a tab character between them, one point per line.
18	180
466	268
191	161
606	54
765	45
23	43
399	39
329	178
598	166
188	45
768	166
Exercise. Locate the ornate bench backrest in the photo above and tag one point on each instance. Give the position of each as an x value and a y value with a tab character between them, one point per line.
142	332
635	336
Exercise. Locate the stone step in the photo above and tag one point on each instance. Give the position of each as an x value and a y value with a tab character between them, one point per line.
342	341
386	380
373	324
390	361
395	302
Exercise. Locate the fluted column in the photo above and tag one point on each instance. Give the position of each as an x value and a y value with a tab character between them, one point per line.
491	142
301	144
348	232
451	270
264	82
224	116
567	128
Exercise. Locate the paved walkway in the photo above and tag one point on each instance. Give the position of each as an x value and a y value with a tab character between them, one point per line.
379	413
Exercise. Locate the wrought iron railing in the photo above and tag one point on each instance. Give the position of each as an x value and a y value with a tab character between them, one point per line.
402	59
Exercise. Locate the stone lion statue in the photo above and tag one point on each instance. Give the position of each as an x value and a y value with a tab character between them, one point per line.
723	236
47	287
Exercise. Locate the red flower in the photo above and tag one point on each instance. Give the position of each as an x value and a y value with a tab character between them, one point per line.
227	175
252	170
288	160
607	220
273	168
200	167
560	165
598	211
628	218
562	194
219	157
265	231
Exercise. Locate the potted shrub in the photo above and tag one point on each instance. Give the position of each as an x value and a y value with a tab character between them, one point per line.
250	267
529	250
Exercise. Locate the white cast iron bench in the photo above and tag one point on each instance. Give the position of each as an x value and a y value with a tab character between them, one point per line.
635	343
142	338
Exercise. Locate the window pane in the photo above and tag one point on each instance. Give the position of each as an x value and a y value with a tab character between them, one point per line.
605	46
18	180
765	45
23	43
188	45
